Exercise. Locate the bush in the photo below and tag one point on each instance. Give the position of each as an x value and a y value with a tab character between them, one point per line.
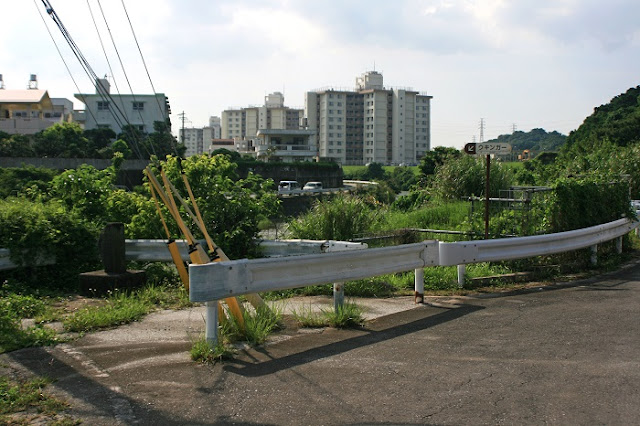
465	176
342	218
36	232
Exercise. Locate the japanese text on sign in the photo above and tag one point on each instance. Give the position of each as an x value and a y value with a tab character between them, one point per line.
492	148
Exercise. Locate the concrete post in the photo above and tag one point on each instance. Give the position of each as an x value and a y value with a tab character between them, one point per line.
619	245
594	255
461	271
419	286
112	249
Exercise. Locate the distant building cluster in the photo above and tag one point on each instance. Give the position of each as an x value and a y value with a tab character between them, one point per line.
370	123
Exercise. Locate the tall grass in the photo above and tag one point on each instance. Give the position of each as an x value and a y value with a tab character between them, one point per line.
437	215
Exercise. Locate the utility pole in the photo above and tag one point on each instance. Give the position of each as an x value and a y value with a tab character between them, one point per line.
183	118
481	130
514	128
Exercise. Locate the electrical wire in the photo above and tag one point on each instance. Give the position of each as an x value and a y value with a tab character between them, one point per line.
124	71
144	62
35	2
90	73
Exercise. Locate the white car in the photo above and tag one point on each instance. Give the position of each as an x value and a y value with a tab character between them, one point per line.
312	186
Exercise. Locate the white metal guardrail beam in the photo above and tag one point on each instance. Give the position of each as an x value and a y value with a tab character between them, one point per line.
214	281
157	251
465	252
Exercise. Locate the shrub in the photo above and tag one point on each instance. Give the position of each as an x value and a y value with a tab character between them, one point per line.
341	218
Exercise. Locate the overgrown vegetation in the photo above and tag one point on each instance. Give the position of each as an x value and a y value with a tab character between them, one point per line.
18	396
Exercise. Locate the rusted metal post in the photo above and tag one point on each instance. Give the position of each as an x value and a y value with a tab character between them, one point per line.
338	296
486	199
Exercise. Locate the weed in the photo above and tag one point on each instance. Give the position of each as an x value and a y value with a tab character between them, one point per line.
305	317
16	397
202	351
258	324
347	315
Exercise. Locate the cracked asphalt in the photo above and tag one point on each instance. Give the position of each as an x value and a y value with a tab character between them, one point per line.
564	354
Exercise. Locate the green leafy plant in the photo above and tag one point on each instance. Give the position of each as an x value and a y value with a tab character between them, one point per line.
206	353
347	315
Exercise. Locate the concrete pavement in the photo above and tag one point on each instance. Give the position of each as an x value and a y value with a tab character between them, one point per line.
565	354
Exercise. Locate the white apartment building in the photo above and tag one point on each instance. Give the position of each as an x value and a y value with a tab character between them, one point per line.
199	140
244	123
193	139
370	123
106	110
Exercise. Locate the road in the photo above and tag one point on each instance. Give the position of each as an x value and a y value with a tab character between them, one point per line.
563	354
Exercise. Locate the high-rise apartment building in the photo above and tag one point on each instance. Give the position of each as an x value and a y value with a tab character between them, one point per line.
244	123
370	123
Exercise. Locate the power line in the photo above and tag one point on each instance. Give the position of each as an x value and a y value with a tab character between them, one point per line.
100	89
144	62
35	2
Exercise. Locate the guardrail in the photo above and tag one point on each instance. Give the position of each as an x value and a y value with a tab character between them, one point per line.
152	250
214	281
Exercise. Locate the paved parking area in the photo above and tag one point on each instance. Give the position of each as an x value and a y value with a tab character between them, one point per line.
567	354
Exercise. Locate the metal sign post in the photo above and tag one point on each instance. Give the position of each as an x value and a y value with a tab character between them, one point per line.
487	148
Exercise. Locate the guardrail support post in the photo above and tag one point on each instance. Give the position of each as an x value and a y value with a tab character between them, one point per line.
461	271
211	322
338	296
594	254
419	286
619	245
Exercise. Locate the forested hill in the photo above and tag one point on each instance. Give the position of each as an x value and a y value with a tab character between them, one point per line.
536	140
617	122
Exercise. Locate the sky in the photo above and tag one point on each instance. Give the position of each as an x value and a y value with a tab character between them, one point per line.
519	64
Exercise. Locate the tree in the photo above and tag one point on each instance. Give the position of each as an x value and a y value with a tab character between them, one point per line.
122	147
231	207
16	146
375	171
161	142
99	142
436	157
61	140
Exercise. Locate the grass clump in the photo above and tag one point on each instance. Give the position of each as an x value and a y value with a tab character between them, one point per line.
126	307
206	353
306	317
347	315
18	397
258	324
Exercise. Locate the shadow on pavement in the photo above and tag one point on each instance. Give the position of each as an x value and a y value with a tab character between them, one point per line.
323	347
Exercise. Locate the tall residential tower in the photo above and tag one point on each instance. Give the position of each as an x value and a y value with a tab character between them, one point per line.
370	123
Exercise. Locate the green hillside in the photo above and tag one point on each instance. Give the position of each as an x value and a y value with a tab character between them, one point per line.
617	122
536	140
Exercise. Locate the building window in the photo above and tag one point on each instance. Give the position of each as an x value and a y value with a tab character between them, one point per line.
138	106
103	105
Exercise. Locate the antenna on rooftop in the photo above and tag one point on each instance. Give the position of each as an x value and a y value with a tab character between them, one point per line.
33	82
1	82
